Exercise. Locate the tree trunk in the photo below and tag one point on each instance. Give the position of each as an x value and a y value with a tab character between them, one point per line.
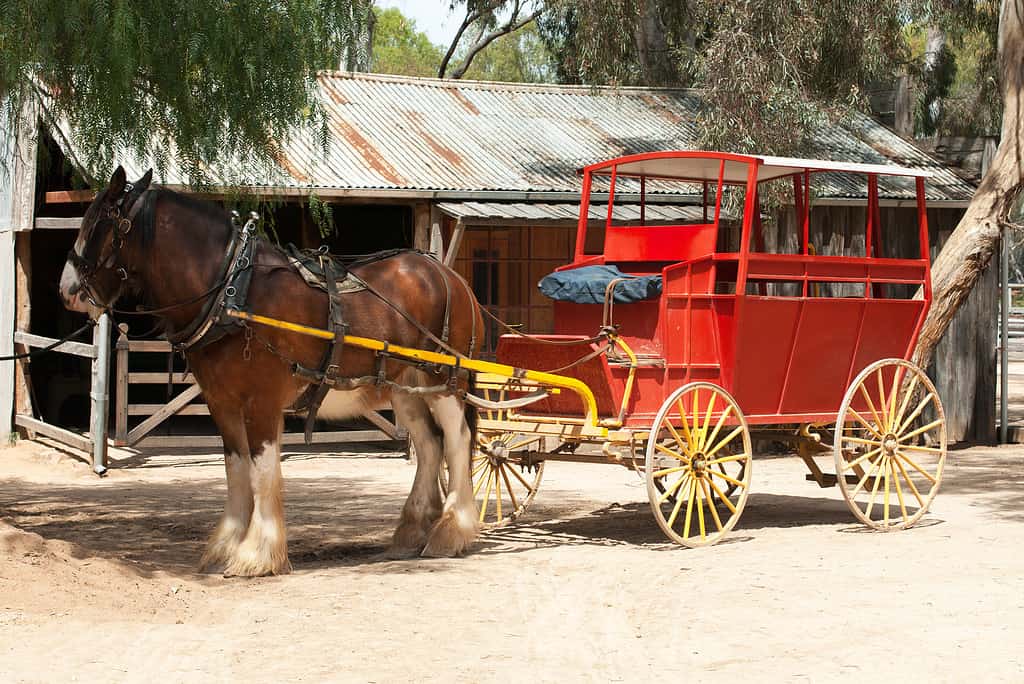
971	246
657	65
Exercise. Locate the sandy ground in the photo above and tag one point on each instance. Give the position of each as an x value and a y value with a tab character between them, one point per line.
96	582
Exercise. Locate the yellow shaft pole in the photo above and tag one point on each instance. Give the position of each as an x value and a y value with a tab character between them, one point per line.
572	384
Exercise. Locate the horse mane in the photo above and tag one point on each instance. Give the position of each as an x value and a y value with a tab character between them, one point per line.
203	208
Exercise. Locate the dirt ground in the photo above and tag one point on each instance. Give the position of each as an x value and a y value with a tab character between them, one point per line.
97	581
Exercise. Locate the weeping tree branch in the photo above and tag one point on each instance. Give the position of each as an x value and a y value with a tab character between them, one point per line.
974	241
513	24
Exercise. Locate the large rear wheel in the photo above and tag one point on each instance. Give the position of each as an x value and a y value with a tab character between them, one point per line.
698	464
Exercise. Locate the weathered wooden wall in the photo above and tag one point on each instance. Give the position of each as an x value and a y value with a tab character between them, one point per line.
964	370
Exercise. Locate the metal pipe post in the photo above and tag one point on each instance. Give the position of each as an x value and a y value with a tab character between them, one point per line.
99	394
1004	335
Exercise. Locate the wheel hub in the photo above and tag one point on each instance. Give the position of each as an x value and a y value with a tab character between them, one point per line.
497	451
889	444
699	464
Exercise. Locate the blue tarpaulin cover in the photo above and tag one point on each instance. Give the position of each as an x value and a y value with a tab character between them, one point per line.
587	285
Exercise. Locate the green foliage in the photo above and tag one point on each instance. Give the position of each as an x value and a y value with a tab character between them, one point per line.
193	80
772	70
520	57
398	48
323	215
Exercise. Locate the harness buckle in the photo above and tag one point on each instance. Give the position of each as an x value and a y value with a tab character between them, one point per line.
331	374
122	273
124	226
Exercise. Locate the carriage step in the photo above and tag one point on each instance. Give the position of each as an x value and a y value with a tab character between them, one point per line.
829	479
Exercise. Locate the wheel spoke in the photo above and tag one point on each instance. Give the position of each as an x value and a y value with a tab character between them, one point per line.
707	421
497	492
888	470
696	416
487	496
854	464
519	477
480	467
691	444
508	488
916	413
882	401
859	440
865	423
728	459
924	428
906	400
724	499
688	446
913	487
700	514
727	478
658	474
899	489
913	465
516	446
679	503
669	491
719	424
874	490
480	484
731	436
863	480
897	375
914	447
665	450
871	405
711	504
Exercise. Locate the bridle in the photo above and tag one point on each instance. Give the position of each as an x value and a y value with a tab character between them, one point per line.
89	266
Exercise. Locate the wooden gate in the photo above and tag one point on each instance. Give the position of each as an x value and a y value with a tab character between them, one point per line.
187	401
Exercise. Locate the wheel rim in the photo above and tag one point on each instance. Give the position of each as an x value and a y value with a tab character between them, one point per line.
890	445
505	482
698	464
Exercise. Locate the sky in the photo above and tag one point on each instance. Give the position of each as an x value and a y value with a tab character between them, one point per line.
432	17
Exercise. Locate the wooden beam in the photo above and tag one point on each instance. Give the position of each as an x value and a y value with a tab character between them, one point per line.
177	378
38	341
453	247
23	319
385	425
289	438
69	196
168	410
150	409
7	328
72	439
54	223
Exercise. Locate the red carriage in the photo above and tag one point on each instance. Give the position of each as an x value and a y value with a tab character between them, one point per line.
728	336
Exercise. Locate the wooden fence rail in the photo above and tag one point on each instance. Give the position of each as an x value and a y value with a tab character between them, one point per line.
188	402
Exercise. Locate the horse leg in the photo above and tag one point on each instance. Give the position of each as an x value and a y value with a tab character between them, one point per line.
264	550
238	509
458	525
423	506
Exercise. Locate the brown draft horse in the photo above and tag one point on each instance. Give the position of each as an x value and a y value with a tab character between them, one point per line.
174	259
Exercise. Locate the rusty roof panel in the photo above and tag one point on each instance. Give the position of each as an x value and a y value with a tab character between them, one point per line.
401	133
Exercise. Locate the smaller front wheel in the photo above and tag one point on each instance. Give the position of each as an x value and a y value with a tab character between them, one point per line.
698	464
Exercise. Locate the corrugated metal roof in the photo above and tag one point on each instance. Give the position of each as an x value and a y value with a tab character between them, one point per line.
402	134
562	212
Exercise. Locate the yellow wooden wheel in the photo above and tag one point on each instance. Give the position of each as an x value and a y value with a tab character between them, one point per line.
890	444
698	464
505	472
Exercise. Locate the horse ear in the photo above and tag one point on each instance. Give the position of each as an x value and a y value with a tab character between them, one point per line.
117	182
142	184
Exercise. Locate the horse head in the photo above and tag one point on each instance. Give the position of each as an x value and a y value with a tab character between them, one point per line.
96	272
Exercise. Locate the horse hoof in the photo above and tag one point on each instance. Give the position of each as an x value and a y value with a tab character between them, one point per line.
449	538
393	553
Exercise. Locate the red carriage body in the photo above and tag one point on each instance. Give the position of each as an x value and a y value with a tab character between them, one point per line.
766	327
